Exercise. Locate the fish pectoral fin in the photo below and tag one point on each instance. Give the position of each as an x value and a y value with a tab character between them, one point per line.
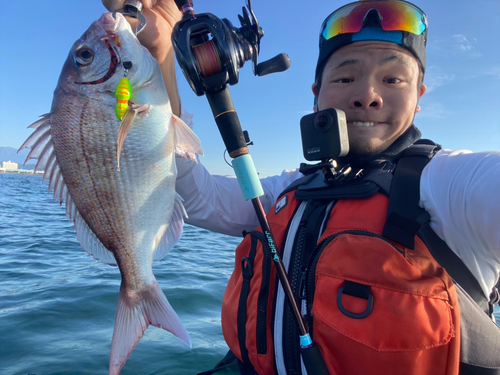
187	144
127	121
134	316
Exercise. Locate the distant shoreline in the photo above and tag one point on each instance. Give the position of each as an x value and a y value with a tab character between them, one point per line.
24	173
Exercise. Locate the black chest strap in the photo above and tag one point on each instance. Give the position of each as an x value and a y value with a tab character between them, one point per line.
405	219
404	216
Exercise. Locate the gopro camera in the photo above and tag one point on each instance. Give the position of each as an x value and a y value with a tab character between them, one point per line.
324	135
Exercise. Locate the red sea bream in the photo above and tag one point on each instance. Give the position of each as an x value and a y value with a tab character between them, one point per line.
117	177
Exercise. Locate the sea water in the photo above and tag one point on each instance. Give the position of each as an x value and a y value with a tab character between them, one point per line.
57	304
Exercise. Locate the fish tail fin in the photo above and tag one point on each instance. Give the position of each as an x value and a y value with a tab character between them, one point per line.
132	319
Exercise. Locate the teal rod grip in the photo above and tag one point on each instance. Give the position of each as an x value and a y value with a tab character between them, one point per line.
247	177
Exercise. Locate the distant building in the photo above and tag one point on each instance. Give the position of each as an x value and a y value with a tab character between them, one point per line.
9	165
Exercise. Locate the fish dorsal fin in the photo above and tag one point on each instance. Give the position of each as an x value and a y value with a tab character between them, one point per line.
42	149
40	141
91	244
187	144
174	230
40	127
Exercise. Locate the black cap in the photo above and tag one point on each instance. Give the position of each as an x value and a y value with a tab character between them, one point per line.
372	31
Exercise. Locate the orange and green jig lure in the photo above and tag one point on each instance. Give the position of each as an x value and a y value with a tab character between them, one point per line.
123	93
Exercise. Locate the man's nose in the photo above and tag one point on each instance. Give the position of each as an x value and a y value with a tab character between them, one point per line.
365	98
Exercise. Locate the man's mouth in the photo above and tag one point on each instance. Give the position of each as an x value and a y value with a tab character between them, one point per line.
365	124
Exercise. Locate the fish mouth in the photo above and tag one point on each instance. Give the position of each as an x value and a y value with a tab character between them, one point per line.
109	21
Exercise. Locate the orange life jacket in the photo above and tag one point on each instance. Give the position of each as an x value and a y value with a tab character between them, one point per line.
372	304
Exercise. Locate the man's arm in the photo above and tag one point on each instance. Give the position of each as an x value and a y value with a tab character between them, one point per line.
216	202
461	192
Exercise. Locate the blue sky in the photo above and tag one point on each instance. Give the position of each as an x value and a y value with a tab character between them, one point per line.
461	109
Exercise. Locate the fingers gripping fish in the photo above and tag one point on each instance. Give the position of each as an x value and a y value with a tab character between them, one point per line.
125	214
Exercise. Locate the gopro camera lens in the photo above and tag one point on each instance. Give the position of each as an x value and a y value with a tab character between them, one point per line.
323	121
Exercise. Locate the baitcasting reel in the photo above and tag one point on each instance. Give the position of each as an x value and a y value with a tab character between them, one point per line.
210	51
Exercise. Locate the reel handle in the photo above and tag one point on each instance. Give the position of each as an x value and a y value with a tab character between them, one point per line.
278	63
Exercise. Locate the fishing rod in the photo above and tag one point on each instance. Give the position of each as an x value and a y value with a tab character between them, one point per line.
210	52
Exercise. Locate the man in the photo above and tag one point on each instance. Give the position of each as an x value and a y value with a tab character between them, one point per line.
372	70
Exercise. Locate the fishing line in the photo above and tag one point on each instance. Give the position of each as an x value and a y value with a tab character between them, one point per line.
208	58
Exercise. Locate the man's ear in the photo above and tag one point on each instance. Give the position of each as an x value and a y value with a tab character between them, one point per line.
314	88
423	89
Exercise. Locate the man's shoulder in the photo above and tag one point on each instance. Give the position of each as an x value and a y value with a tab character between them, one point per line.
463	161
456	174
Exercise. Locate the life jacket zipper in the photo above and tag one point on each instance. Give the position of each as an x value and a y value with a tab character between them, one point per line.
291	331
304	241
280	299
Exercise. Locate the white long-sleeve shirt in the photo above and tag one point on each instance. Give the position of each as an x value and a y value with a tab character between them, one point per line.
459	189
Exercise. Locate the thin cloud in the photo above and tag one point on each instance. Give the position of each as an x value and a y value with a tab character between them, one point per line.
454	45
495	71
434	79
303	113
432	111
462	44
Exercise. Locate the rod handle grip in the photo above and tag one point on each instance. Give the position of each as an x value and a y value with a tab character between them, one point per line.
313	360
228	122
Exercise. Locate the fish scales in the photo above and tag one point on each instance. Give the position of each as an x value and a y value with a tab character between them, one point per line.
102	188
118	177
100	184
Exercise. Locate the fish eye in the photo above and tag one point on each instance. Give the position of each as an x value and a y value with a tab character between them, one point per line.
84	56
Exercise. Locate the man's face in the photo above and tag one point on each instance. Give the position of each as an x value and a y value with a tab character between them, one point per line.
376	85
